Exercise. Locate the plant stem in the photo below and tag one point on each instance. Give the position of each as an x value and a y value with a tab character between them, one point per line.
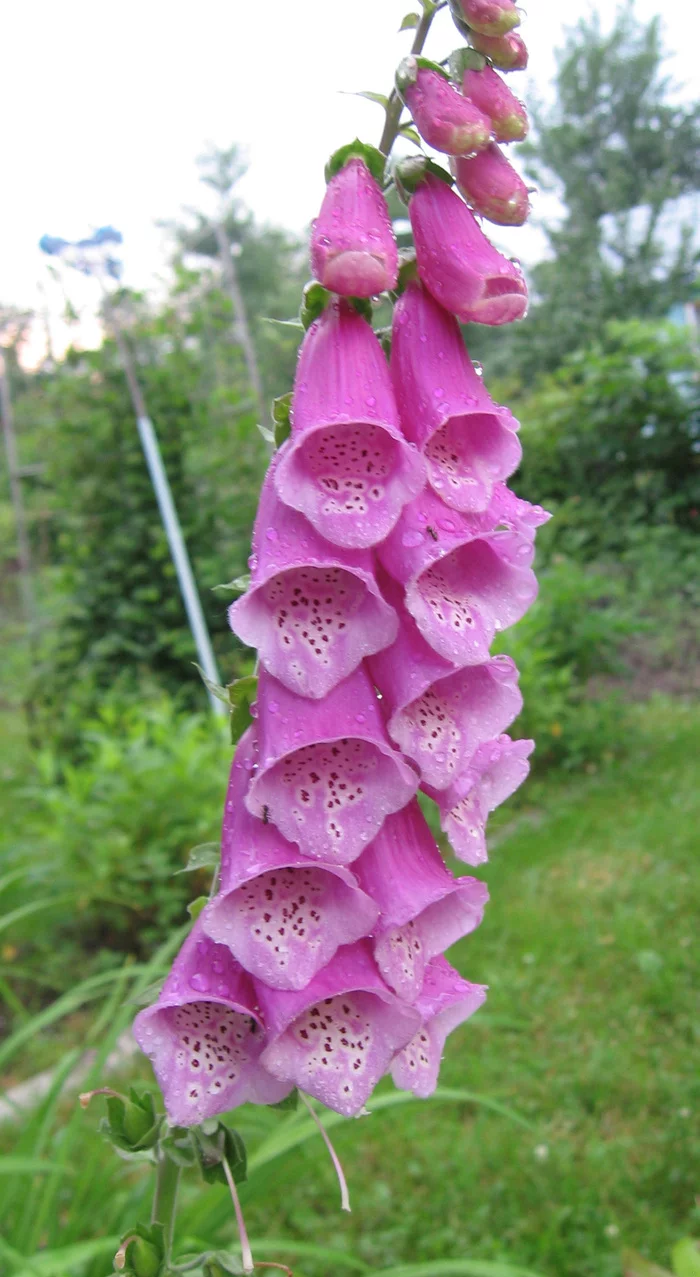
394	107
165	1200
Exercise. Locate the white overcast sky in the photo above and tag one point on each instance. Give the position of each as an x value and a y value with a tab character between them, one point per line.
106	106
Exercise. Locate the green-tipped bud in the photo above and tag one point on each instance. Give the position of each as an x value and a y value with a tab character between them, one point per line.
314	300
373	159
411	171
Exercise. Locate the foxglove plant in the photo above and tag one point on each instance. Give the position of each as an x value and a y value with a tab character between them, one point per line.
387	554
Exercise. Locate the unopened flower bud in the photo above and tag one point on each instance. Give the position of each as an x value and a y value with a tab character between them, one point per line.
353	250
491	185
508	52
444	117
490	17
491	95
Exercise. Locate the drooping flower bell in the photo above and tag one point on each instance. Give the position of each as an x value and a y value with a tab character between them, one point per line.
328	775
490	17
457	263
353	249
347	466
438	714
490	93
446	1001
423	908
507	52
493	187
494	773
313	610
281	915
468	442
204	1035
465	577
444	117
337	1037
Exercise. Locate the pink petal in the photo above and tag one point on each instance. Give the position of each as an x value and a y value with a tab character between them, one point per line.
491	17
492	187
336	1038
492	95
445	1002
458	264
328	775
353	250
495	772
313	610
446	119
423	908
281	916
469	443
464	578
347	466
204	1036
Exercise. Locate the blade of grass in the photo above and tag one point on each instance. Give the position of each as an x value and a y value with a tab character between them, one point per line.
34	906
457	1268
11	1165
59	1262
307	1250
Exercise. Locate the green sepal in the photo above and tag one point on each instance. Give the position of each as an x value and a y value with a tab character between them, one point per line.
289	1104
195	907
408	68
239	584
132	1123
215	1143
205	856
458	18
241	695
142	1251
363	306
411	134
372	157
178	1146
408	270
409	172
281	417
218	1263
314	300
464	59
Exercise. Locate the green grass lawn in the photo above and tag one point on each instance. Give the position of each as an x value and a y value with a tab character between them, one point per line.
590	1033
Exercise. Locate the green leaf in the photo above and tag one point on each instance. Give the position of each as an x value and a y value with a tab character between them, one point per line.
241	695
195	907
635	1265
10	1165
213	1148
215	688
685	1258
380	98
410	22
408	131
314	300
457	1268
289	1104
283	323
239	584
65	1259
205	856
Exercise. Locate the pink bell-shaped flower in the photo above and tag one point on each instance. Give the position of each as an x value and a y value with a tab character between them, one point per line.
439	715
445	1002
353	250
466	576
445	119
347	466
468	442
423	908
495	772
281	915
336	1038
490	93
492	186
490	17
458	264
204	1035
328	775
507	52
312	609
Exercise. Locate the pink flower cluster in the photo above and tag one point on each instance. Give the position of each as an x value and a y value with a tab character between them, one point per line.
388	552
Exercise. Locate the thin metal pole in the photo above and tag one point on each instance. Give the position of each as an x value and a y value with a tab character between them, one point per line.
168	513
241	326
23	549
